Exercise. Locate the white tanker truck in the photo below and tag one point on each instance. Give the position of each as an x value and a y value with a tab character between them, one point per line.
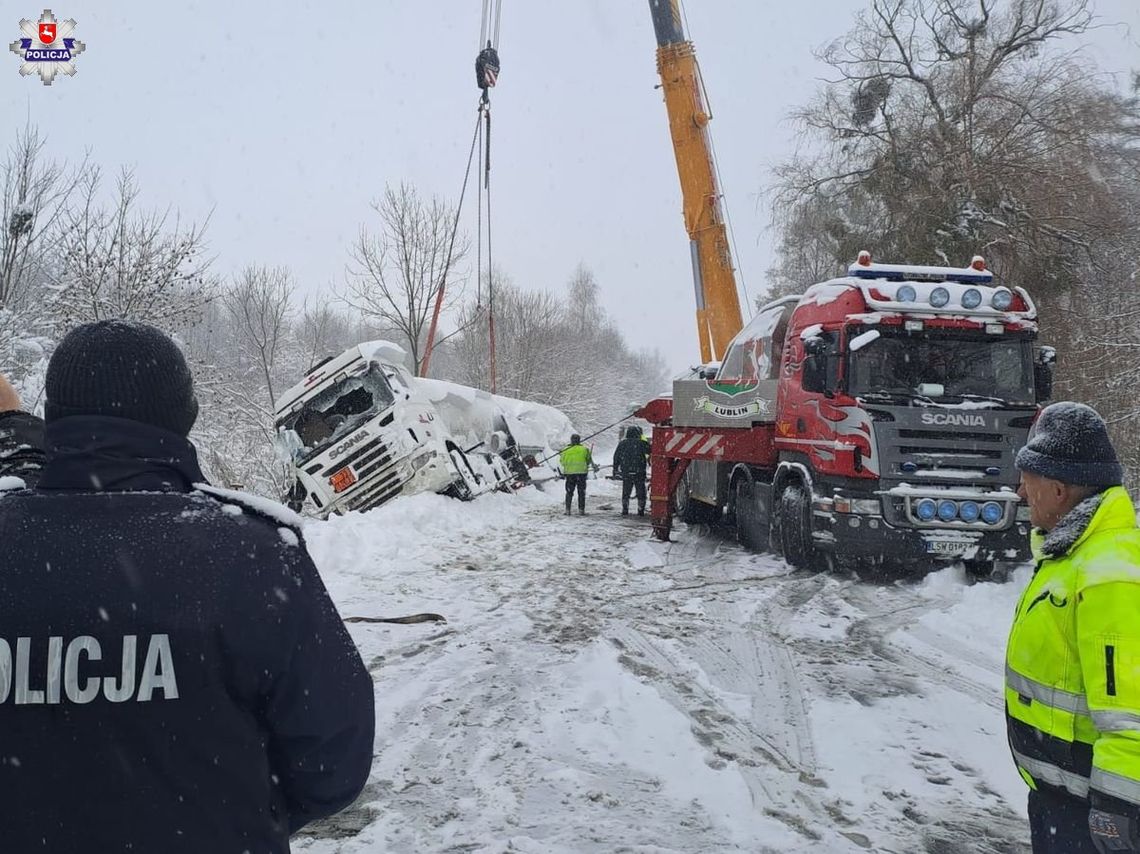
360	430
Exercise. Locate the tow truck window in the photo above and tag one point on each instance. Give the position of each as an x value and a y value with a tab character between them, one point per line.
988	367
756	352
821	367
340	409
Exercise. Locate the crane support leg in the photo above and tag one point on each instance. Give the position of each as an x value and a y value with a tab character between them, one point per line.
663	481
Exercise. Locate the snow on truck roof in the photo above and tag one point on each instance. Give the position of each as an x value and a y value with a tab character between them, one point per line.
381	351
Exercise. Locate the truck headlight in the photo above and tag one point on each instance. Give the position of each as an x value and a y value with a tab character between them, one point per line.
926	509
421	460
992	512
1002	299
864	506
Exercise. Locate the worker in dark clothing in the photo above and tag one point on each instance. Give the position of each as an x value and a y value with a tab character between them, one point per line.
173	675
576	461
21	438
629	464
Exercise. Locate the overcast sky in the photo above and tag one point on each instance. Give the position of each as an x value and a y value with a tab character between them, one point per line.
286	119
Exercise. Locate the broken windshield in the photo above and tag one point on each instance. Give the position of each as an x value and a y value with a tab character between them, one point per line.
338	410
966	367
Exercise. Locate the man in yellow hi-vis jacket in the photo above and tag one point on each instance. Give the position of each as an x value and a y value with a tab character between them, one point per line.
576	461
1072	675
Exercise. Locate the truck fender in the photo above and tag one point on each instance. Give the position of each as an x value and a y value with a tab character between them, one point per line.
789	470
739	471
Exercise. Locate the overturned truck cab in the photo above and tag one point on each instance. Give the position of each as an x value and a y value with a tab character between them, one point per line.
360	430
875	417
356	432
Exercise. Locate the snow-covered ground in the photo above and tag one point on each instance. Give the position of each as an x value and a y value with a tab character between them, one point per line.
594	690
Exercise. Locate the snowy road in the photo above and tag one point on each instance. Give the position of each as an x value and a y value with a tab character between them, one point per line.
597	691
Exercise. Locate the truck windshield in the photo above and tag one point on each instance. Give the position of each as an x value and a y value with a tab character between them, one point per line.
339	409
990	367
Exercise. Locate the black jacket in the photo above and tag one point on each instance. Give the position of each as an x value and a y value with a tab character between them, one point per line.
21	446
629	458
180	679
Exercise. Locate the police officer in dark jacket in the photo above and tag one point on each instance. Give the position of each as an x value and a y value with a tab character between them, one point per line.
21	438
629	465
173	675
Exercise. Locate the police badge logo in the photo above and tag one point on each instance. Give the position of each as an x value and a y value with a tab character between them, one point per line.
55	48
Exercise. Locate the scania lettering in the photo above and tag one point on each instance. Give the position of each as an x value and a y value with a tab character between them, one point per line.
351	443
879	417
949	418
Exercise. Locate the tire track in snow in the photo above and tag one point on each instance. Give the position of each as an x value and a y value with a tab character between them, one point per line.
873	635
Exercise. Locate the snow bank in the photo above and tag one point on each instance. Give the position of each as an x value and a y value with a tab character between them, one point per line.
401	537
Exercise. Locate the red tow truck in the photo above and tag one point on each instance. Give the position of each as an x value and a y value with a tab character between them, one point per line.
875	417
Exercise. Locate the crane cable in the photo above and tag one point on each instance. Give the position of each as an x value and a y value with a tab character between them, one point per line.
486	74
424	364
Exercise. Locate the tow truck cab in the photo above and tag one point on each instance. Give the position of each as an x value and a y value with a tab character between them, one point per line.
904	396
875	416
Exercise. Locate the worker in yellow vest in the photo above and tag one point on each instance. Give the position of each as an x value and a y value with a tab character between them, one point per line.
1072	674
576	461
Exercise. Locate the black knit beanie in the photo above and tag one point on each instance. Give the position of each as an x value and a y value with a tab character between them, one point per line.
1070	443
122	369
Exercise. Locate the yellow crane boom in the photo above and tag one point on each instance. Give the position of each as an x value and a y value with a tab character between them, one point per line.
718	306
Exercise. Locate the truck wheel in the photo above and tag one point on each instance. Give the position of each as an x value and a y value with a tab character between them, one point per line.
690	511
748	532
795	527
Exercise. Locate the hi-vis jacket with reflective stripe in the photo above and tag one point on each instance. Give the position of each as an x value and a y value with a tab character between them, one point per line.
576	459
1072	675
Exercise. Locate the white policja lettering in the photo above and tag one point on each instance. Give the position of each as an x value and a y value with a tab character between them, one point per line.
64	680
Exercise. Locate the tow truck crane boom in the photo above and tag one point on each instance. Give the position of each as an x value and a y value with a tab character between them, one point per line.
718	306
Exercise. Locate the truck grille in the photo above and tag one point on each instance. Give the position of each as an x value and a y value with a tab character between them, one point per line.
377	479
946	456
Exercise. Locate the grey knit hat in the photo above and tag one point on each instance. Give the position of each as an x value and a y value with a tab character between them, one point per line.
123	369
1070	443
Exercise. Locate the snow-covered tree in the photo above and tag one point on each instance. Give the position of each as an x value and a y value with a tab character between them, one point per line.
117	260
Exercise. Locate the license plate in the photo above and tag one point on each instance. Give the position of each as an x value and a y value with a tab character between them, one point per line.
948	547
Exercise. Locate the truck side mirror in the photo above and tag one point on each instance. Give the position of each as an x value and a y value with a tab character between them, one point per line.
1043	373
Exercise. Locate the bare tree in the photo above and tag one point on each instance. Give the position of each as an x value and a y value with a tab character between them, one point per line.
260	306
35	191
322	331
564	352
397	271
120	261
